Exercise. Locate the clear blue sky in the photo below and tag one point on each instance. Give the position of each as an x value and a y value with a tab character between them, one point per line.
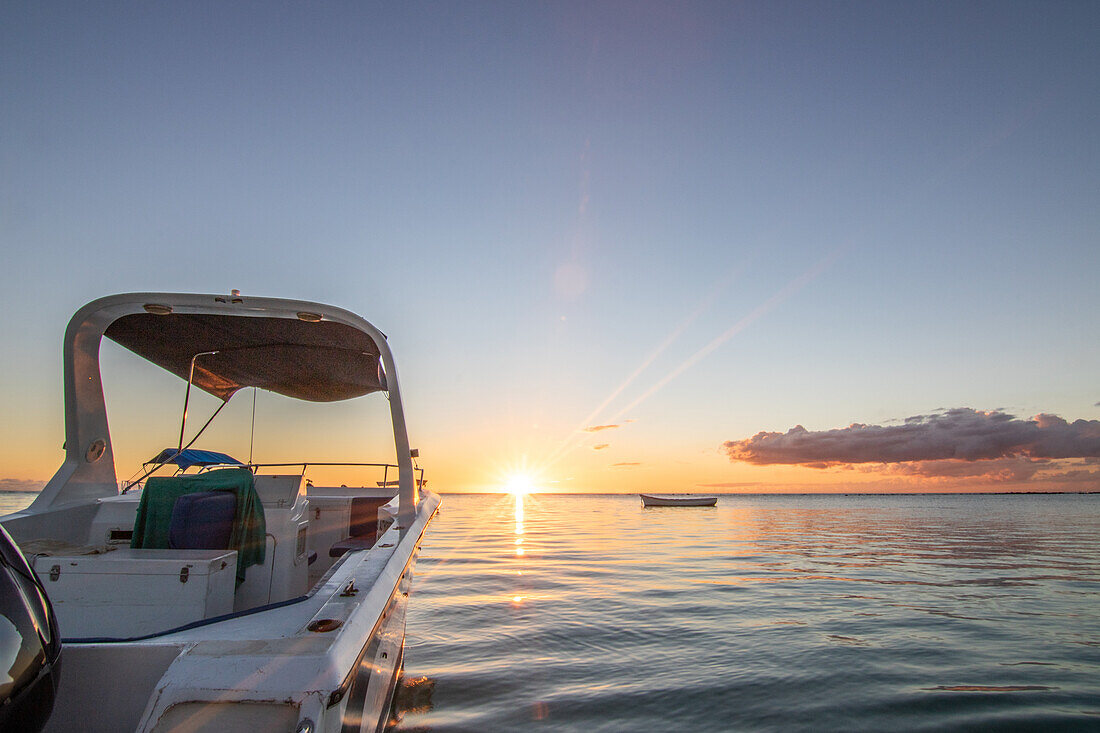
903	199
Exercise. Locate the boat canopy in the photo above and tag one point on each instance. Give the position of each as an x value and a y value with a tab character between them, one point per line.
193	457
305	358
221	344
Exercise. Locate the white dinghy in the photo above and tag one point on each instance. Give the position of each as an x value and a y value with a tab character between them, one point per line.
238	597
677	500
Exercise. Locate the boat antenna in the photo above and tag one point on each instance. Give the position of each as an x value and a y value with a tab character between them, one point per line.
181	449
183	424
252	435
187	395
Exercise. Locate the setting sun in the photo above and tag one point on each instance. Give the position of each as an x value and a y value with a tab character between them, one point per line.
519	483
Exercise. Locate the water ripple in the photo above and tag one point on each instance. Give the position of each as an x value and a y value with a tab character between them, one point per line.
766	613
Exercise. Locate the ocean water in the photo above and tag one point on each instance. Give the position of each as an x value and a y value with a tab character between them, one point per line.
13	501
766	613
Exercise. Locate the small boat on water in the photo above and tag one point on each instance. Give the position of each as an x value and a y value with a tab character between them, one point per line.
677	500
211	594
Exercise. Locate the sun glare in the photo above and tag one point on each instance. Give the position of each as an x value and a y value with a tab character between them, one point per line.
519	484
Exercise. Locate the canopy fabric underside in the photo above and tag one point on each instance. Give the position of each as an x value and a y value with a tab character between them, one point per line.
320	361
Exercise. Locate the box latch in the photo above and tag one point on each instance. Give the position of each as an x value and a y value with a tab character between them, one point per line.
55	572
183	575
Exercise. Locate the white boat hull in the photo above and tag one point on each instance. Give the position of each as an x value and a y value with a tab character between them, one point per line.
654	500
269	663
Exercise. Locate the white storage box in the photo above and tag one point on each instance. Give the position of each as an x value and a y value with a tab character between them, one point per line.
128	593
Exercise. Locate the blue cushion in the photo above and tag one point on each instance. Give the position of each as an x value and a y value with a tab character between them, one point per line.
202	520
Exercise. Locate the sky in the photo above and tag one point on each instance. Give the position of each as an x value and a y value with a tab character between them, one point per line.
614	246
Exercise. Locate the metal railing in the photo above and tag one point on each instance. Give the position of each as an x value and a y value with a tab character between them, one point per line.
418	472
384	483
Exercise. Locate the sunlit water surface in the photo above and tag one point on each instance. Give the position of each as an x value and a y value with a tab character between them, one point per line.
775	613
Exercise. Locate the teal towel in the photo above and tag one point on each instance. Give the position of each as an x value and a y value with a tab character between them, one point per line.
158	498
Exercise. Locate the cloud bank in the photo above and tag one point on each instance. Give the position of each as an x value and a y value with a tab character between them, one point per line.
18	484
958	435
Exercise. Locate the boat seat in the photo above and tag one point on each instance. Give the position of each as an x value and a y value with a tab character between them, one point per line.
156	509
351	544
202	521
362	525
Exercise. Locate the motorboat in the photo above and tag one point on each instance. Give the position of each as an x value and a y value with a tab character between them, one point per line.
211	594
677	500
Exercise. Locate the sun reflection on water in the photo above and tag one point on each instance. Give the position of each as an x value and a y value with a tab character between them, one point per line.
519	525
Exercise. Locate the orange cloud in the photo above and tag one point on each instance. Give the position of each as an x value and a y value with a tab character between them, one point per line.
961	434
958	449
598	428
997	470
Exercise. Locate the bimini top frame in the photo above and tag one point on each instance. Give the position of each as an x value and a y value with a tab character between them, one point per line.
222	343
